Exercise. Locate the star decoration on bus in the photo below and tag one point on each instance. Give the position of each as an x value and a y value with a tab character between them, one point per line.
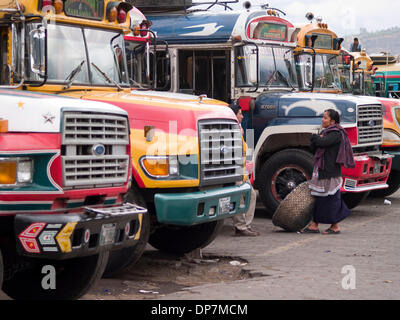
48	118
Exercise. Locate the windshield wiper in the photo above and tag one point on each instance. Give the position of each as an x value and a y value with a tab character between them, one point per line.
74	73
273	77
105	76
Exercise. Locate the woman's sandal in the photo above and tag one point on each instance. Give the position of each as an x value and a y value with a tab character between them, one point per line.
307	230
330	231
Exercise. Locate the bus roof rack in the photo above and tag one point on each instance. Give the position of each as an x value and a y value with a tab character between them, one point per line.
160	6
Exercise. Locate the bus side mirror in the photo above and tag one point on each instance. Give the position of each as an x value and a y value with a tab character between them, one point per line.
37	56
253	69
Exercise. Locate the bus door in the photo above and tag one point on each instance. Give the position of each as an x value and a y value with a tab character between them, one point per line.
205	72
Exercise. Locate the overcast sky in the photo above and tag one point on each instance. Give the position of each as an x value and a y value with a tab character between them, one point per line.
342	16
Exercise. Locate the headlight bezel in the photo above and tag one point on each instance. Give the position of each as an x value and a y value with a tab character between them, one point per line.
171	161
23	165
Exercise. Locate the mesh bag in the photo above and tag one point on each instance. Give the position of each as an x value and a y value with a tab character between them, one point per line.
295	211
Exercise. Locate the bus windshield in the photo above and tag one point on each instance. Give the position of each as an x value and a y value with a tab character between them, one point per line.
369	85
326	72
276	67
345	80
84	56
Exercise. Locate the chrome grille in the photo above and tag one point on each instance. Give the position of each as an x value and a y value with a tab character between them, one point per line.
94	150
370	124
221	152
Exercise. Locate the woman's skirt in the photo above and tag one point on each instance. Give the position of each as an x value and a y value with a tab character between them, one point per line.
329	206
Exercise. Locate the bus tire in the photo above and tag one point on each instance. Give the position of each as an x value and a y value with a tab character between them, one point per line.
282	173
352	199
73	278
183	239
394	185
123	259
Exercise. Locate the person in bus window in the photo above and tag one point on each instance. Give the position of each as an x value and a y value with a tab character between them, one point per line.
355	46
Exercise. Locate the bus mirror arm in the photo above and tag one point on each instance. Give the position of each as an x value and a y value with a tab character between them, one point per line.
257	65
154	60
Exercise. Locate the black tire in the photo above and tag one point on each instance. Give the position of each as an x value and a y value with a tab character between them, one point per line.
1	270
281	174
122	260
394	185
352	200
180	240
74	277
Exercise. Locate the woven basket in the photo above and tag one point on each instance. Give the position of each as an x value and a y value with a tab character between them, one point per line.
295	211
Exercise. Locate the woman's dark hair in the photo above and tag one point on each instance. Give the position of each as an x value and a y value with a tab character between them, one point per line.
334	115
235	107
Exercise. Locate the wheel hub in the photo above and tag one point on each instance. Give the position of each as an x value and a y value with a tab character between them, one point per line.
291	185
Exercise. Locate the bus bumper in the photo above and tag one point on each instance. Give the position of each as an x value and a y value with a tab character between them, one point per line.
65	236
202	206
370	173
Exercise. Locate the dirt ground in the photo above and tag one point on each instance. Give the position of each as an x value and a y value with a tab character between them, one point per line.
157	274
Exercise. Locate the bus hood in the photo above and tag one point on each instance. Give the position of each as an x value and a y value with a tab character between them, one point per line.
37	112
160	109
309	105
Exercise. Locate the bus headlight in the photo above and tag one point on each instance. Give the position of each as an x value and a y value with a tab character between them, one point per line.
24	171
161	166
390	136
15	171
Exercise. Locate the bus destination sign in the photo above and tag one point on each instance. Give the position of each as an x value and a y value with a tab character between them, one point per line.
91	9
270	31
323	41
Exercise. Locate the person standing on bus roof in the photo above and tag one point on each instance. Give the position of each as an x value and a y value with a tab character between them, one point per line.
355	46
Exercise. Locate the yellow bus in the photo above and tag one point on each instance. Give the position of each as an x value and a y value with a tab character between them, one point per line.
188	156
325	45
356	71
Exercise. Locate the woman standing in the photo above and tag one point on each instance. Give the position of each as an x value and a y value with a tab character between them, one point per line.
332	151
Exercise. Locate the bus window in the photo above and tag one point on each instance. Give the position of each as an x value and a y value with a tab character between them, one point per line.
304	68
369	85
163	71
137	63
104	47
326	72
357	83
276	67
186	59
66	51
204	72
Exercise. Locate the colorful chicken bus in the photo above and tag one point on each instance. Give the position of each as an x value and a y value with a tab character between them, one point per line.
387	77
249	56
187	155
64	173
356	72
326	46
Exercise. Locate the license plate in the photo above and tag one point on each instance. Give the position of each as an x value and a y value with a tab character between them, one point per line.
225	205
377	167
107	235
